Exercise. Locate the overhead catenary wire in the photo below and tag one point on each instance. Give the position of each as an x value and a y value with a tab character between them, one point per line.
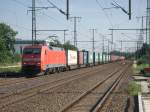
21	3
14	14
104	13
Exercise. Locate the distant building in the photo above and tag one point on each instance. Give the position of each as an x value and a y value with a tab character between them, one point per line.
20	44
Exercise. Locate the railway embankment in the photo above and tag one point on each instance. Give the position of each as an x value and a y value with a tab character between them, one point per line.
143	97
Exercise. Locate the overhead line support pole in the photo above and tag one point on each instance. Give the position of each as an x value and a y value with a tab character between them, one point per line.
93	39
129	9
67	10
103	50
33	22
75	29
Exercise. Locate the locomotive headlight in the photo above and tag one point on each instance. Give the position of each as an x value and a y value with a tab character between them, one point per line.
24	63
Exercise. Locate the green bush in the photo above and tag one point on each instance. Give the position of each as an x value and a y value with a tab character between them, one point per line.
8	58
17	58
144	60
134	88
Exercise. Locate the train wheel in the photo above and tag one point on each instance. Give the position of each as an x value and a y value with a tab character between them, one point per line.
46	72
51	70
57	70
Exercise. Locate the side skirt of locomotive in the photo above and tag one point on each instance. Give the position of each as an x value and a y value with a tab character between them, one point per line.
52	68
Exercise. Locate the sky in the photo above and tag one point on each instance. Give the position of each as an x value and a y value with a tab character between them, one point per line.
93	14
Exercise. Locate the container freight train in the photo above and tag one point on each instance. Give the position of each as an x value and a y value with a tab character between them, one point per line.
41	58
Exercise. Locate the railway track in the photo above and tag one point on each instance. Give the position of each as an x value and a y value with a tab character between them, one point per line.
23	79
39	80
123	101
88	100
47	79
27	93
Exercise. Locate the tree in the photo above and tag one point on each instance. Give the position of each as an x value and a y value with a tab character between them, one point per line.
7	37
144	54
67	45
7	40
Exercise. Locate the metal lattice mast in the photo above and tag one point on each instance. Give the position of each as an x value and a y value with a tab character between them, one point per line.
33	22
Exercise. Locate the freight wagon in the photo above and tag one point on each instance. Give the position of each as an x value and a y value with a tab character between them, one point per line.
90	58
96	58
101	58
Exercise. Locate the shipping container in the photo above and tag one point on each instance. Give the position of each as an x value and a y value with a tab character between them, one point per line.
71	57
104	58
90	57
96	57
80	58
100	58
109	59
121	58
85	57
114	58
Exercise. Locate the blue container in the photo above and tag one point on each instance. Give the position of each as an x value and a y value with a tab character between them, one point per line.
96	57
85	57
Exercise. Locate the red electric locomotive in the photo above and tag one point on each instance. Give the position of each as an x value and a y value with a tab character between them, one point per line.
41	58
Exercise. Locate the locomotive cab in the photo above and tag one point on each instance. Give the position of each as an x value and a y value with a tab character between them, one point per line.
31	58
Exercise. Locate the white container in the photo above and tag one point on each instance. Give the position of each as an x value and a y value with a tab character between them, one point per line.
71	57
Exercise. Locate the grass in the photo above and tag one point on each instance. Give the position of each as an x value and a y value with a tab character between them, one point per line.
138	68
12	69
9	64
134	88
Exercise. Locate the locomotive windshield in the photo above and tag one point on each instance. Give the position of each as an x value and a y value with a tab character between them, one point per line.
32	51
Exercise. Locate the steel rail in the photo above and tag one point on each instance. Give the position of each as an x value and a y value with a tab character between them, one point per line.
16	81
35	90
103	99
87	92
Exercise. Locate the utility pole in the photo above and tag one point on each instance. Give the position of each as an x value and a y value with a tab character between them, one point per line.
112	34
103	49
33	22
129	10
112	39
65	36
142	30
34	8
133	42
75	29
67	10
93	39
103	46
141	34
148	21
121	45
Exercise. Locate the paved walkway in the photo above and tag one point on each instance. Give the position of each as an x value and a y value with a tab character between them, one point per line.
144	96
